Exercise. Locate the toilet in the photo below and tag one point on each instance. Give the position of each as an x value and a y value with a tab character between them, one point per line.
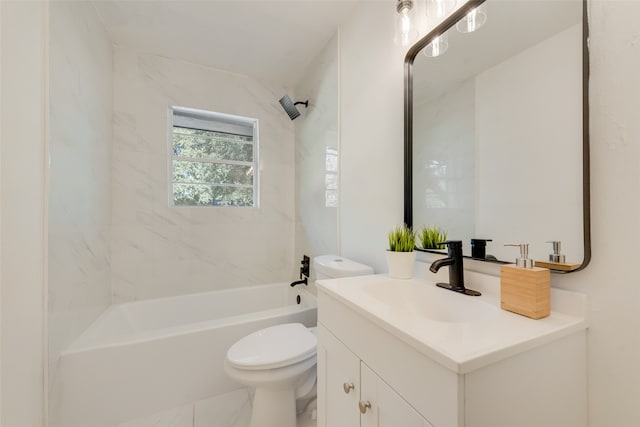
279	362
334	266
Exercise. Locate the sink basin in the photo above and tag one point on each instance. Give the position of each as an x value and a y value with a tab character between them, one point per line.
430	302
461	332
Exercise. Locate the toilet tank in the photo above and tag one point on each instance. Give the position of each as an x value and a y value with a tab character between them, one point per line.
334	266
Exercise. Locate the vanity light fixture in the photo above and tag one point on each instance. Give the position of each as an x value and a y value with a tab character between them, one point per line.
437	47
438	9
474	19
405	26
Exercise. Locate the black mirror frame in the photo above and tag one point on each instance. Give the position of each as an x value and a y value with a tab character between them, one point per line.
408	123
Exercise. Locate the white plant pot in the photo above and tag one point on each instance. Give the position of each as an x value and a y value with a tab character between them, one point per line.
401	264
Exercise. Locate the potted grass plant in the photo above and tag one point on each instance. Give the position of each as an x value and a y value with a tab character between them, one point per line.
400	255
429	237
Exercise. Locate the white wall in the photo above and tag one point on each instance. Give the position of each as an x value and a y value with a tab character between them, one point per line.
371	160
611	280
371	103
316	130
159	250
79	174
23	105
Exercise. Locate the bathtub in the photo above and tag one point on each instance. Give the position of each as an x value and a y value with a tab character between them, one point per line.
139	358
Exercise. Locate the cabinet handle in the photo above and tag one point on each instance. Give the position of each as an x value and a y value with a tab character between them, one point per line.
347	387
364	406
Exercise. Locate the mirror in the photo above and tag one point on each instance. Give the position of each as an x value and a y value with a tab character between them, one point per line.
496	131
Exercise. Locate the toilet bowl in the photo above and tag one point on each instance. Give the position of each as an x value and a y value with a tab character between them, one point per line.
279	362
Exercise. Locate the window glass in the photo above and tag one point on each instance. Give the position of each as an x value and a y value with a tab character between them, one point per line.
213	159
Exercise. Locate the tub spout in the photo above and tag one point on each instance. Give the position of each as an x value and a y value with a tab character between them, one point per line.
299	282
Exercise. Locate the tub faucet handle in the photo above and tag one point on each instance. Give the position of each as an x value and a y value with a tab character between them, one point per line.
304	269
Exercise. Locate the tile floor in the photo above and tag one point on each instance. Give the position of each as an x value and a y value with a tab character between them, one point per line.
228	410
306	420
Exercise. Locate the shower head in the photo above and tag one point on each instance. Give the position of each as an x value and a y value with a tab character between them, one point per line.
290	107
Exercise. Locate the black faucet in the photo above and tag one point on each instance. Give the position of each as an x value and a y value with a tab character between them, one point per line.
456	270
479	248
304	272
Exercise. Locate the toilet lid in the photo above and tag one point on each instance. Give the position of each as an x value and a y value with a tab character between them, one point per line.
273	347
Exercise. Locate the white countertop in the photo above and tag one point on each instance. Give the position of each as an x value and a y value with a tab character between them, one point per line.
481	333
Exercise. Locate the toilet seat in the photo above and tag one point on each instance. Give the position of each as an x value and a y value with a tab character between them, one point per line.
273	347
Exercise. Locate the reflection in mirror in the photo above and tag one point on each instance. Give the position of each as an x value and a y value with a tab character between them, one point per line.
497	132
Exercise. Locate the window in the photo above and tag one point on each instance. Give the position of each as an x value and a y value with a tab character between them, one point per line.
214	159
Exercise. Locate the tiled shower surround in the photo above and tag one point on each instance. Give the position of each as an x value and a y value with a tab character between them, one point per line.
317	133
159	250
79	219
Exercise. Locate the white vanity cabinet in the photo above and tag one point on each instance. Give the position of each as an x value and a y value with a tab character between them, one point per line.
351	394
364	357
383	406
338	382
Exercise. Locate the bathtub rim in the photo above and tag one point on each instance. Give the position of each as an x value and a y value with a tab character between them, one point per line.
309	302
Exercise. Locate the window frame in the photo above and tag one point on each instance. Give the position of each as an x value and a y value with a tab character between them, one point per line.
216	122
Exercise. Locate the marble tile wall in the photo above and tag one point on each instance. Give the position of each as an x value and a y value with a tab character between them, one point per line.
158	250
316	131
79	174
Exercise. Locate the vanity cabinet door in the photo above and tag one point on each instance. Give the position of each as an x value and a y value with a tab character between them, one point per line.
338	383
387	408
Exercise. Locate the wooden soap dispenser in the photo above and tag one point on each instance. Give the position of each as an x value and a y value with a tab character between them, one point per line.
525	289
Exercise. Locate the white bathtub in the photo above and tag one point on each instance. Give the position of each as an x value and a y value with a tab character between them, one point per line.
142	357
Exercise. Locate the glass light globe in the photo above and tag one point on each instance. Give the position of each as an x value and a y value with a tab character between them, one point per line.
437	47
405	28
437	9
473	20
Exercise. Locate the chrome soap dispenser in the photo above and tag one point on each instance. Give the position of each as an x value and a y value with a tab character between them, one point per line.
557	260
556	256
525	289
523	261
